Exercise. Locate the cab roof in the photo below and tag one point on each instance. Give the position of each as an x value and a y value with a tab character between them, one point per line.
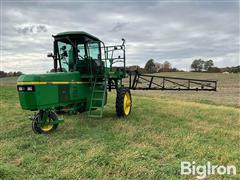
77	34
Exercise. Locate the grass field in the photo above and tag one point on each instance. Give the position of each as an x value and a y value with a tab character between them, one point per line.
163	129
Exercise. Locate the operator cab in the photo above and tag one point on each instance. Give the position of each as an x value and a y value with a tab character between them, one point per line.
78	51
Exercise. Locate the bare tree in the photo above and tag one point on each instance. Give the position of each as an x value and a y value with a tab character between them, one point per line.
166	66
158	66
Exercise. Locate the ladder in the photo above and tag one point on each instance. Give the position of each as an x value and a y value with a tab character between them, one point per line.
99	89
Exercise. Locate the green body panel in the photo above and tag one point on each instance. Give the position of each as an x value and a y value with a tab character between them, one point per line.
117	75
60	89
27	100
50	77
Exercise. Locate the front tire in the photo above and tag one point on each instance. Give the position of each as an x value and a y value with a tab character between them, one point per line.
41	126
123	102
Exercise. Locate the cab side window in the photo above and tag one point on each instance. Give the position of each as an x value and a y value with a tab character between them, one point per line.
81	51
93	50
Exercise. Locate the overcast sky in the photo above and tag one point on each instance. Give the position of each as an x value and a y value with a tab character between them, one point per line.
177	31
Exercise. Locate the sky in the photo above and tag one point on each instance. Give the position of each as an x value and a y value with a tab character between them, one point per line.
176	31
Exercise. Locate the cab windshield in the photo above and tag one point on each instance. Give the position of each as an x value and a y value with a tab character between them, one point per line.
71	53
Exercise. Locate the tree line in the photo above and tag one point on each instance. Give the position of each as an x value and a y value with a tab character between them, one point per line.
199	65
10	74
153	67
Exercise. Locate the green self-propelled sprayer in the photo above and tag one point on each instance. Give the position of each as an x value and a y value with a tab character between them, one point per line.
83	73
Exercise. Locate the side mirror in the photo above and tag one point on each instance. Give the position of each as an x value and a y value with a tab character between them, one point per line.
50	55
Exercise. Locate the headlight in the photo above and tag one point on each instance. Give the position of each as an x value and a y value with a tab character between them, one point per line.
29	88
25	88
21	88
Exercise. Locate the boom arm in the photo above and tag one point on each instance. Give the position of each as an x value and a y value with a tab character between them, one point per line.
152	82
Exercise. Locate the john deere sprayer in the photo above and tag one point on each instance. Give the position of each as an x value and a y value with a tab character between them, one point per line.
83	73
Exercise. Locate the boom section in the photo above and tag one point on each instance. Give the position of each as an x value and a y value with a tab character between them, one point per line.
139	81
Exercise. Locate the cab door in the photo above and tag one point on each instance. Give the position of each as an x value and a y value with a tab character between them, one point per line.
94	56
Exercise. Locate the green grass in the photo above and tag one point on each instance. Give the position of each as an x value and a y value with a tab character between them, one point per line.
159	134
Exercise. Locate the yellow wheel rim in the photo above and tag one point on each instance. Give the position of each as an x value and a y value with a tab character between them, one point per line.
127	103
47	127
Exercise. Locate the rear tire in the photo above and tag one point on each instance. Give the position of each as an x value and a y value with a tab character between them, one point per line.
123	102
